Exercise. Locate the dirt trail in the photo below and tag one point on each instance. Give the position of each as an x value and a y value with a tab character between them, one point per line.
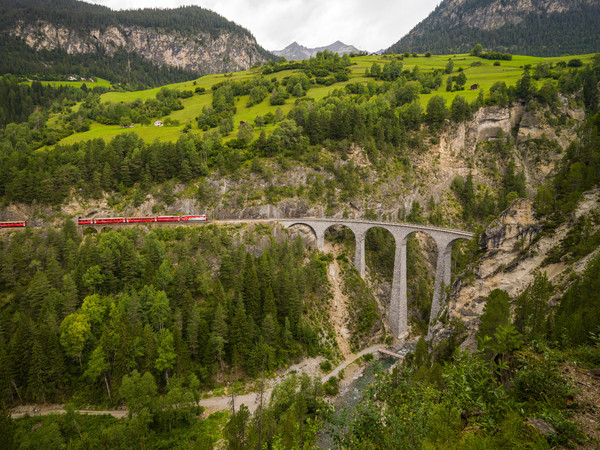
338	312
309	366
43	410
350	359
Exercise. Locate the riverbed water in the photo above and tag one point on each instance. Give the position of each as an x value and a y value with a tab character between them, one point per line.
346	401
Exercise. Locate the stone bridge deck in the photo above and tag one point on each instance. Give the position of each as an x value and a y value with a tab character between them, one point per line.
398	314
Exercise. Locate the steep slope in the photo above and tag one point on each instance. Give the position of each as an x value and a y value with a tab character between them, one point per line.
532	27
517	246
188	39
297	52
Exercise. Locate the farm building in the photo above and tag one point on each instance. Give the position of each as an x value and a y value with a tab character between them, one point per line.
158	123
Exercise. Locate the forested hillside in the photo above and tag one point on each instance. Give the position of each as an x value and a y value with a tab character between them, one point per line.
151	319
139	48
82	16
541	28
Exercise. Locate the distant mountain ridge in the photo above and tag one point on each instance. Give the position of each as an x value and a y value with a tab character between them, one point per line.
188	40
297	52
532	27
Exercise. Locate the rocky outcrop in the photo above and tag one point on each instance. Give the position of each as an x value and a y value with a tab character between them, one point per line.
515	226
488	122
201	51
514	249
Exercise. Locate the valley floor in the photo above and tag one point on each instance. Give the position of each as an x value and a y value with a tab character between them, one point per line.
308	366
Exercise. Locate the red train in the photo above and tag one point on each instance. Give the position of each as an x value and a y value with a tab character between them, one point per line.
16	224
111	220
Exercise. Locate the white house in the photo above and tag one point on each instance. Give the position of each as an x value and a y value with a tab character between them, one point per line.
158	123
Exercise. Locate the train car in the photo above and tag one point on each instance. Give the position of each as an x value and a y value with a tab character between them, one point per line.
81	221
109	220
168	218
141	219
201	218
15	224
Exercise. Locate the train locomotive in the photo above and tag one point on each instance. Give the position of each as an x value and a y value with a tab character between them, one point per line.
14	224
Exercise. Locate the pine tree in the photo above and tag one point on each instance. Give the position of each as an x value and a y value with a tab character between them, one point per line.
215	350
193	328
532	308
38	288
240	334
226	271
496	314
70	297
251	290
265	273
19	353
269	306
38	372
270	331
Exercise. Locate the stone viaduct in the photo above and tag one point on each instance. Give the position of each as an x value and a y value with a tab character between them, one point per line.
398	313
444	238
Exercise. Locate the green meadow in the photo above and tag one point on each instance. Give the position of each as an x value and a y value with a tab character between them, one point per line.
478	71
90	84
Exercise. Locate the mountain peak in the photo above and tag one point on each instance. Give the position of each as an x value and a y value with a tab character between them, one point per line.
297	52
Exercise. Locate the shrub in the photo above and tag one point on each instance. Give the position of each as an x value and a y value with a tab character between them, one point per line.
539	380
325	366
331	386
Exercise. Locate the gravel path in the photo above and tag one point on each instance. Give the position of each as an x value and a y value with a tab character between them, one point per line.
212	404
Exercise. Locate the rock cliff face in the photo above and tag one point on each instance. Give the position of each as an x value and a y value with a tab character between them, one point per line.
493	14
202	52
515	249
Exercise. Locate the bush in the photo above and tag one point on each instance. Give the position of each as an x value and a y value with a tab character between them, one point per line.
325	366
331	387
539	380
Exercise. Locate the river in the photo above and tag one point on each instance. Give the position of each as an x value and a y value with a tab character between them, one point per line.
346	401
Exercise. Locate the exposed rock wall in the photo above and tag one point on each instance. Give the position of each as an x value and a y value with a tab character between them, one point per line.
514	251
497	13
524	27
201	51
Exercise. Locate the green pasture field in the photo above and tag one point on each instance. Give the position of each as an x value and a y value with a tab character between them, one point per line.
89	84
107	132
483	73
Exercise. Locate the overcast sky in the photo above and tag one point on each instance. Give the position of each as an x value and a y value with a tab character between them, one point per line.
367	24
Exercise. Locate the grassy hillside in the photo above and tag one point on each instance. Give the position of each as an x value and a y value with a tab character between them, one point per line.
477	70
